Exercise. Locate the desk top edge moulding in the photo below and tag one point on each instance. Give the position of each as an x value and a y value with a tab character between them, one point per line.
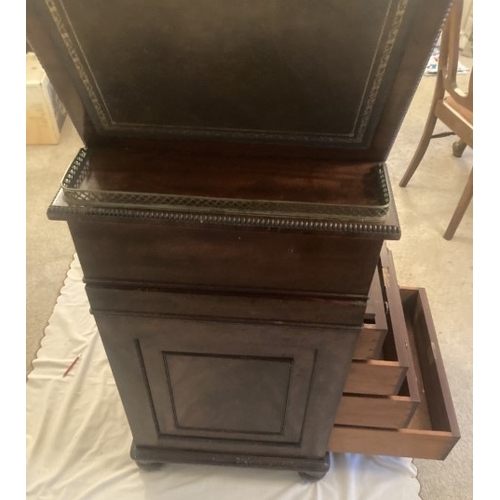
230	208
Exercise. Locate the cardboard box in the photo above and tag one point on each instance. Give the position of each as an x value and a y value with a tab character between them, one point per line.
45	114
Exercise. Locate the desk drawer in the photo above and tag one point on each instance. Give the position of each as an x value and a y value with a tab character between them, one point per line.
385	411
384	376
173	301
390	412
433	431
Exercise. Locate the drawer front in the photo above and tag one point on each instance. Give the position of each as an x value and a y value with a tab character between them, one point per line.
391	412
433	431
188	303
225	259
385	376
374	409
220	386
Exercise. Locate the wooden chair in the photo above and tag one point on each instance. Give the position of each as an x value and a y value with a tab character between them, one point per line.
452	106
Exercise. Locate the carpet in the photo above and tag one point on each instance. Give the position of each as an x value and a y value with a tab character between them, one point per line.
433	63
78	439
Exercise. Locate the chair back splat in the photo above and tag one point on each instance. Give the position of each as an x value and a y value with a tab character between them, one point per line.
453	106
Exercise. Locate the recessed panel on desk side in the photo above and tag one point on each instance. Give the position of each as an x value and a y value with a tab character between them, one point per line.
225	386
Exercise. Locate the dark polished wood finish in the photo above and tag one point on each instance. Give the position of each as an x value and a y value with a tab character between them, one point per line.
230	209
218	386
66	36
224	338
225	259
308	468
231	177
235	228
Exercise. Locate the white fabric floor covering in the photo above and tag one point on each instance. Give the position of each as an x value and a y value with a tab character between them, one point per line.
78	439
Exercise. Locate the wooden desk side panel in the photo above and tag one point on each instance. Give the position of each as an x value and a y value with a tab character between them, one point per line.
134	342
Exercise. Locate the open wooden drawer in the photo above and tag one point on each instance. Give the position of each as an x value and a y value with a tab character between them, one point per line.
390	412
375	408
433	431
387	411
384	376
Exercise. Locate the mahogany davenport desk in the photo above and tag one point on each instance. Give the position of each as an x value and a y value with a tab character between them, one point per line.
230	210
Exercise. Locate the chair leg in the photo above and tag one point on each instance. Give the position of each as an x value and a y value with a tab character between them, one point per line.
421	149
460	210
458	148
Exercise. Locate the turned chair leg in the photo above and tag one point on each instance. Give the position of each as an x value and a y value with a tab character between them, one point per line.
421	149
460	210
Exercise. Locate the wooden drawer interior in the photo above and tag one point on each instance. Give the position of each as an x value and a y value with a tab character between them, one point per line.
433	431
390	412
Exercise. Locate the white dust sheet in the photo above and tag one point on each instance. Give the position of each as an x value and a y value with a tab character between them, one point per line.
78	439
